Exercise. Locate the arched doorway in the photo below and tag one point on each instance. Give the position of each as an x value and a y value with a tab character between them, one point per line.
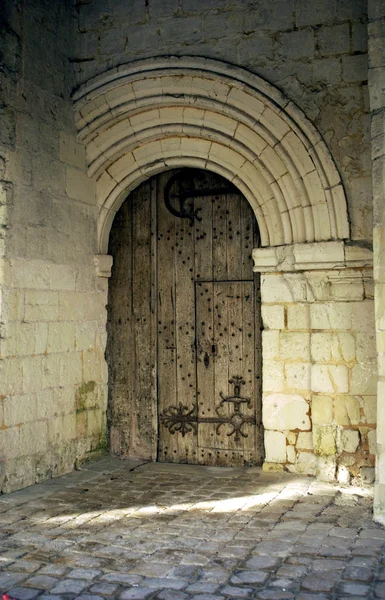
184	348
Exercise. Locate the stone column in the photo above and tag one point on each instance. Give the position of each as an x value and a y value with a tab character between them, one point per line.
319	359
376	31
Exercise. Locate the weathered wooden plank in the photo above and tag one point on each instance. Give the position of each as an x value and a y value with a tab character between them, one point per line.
219	225
141	444
119	330
205	370
168	449
185	329
233	237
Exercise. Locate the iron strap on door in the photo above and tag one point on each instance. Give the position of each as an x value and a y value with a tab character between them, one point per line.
181	419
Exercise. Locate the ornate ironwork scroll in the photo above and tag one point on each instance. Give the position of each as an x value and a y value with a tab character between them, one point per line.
180	419
180	191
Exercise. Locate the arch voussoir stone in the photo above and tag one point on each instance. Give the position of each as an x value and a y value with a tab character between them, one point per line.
151	115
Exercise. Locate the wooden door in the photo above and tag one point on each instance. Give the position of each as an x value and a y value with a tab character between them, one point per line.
209	373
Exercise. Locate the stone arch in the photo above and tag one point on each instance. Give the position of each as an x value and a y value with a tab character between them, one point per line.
144	117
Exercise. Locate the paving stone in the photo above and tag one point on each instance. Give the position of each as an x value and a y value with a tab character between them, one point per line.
172	595
84	573
203	587
124	553
70	586
22	593
358	574
207	597
353	589
320	581
136	593
44	582
262	562
249	577
274	595
379	590
235	592
107	589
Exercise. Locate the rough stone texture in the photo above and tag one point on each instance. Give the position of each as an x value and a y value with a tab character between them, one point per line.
320	359
126	529
52	391
312	55
319	343
377	105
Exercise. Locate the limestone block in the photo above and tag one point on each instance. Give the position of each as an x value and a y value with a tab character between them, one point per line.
285	411
273	379
369	406
347	410
61	336
41	334
79	186
85	335
71	152
298	376
363	316
305	440
329	378
291	454
366	347
331	315
298	316
45	405
349	440
13	300
51	370
334	39
275	289
41	305
343	475
270	344
64	399
327	70
72	306
291	437
294	345
20	339
306	464
363	379
62	277
326	468
96	306
272	467
62	429
367	475
32	367
324	440
91	365
33	438
322	410
355	68
19	409
273	317
343	347
10	442
70	368
296	44
372	439
321	346
275	447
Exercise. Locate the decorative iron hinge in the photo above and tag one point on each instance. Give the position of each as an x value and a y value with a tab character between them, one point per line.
181	419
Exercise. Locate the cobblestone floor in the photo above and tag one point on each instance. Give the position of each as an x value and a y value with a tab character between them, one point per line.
137	531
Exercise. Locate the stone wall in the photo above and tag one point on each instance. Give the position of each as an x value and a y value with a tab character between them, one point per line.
52	374
377	103
319	355
315	52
